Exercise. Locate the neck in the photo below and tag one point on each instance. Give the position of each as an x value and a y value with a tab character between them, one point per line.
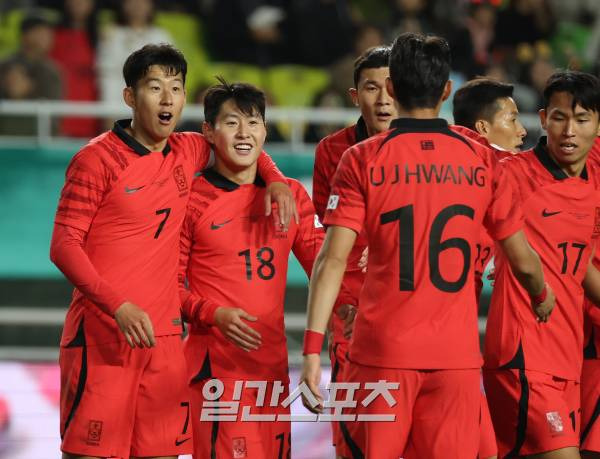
142	137
572	170
241	176
419	113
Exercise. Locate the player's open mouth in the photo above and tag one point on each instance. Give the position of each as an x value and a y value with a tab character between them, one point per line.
243	148
383	115
165	117
568	147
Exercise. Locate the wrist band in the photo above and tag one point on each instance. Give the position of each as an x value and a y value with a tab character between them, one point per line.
313	342
539	299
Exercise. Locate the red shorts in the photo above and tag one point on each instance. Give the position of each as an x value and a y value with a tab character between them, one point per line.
487	436
120	402
532	412
590	405
436	414
234	437
337	353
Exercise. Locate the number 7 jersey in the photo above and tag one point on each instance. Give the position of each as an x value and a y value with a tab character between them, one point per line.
422	193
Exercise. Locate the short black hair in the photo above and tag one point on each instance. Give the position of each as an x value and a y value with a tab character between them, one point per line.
372	58
478	99
584	87
419	69
34	20
248	98
164	55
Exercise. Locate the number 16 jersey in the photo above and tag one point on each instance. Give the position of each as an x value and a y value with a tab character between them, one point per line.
422	192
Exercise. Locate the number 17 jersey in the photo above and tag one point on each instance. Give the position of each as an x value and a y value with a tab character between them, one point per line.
421	192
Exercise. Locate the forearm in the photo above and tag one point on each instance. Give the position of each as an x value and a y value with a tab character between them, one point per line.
268	170
324	287
196	309
524	263
66	252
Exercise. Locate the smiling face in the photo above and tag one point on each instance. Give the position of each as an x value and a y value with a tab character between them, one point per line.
505	128
157	101
237	137
571	131
377	107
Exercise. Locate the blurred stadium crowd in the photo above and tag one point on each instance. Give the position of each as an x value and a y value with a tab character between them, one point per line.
299	51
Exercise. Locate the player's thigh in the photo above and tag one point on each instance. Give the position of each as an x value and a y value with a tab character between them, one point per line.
488	449
369	435
562	453
446	416
338	369
98	389
163	424
590	408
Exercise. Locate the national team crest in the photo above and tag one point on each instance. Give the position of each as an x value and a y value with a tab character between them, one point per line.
555	422
179	176
239	448
94	432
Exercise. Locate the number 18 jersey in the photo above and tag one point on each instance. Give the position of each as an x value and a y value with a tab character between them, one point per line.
421	192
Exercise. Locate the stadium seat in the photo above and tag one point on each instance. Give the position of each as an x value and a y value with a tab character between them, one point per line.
10	23
234	72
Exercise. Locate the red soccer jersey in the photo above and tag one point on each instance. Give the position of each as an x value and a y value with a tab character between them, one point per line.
232	255
131	203
561	223
327	157
591	320
421	192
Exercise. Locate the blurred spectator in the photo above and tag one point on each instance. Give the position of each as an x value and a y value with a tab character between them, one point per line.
411	16
322	38
328	98
29	74
133	30
524	21
342	71
247	31
74	52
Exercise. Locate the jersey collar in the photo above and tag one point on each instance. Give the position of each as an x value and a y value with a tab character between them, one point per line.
419	125
216	179
541	152
121	133
360	130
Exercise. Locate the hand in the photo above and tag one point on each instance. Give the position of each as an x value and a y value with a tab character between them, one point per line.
492	276
364	258
286	205
543	310
311	376
135	324
229	321
347	313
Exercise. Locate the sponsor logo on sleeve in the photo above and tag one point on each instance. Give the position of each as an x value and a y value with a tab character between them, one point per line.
332	204
318	223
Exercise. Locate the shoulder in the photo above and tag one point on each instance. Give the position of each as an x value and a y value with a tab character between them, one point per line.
94	154
338	141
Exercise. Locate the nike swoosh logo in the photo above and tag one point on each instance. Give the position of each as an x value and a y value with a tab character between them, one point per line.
181	442
133	190
545	213
216	226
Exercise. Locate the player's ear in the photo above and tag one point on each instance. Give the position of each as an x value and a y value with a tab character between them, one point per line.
208	131
482	127
542	113
353	96
447	90
129	96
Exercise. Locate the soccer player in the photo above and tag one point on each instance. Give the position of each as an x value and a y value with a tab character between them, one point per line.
233	256
116	238
590	388
532	369
486	108
377	109
421	192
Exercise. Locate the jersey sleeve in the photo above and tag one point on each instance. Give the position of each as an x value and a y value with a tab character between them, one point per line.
310	234
194	308
504	216
268	170
346	205
66	252
86	181
321	179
